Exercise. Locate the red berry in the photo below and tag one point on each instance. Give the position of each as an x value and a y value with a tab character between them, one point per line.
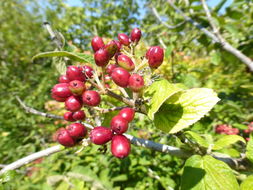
76	130
118	45
91	98
75	73
155	56
63	79
64	138
68	116
97	43
247	139
147	53
119	125
127	114
88	71
120	146
100	135
60	92
76	87
124	39
135	35
102	57
73	103
110	68
120	76
136	82
79	115
111	48
125	62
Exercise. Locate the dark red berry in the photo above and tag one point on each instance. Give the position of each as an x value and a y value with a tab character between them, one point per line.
79	115
102	57
60	92
155	56
120	76
110	68
127	114
97	43
120	146
75	73
76	130
77	87
147	53
63	79
124	39
119	125
91	98
111	48
68	116
100	135
73	103
118	45
88	71
125	62
64	138
135	35
136	82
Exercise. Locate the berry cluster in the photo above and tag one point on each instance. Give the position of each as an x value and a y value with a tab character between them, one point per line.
226	129
76	89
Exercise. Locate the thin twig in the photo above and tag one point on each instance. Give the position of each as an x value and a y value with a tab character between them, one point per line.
53	35
102	110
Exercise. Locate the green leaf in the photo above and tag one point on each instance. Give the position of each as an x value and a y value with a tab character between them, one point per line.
169	50
226	141
81	57
247	184
184	108
159	92
197	138
249	150
207	173
8	176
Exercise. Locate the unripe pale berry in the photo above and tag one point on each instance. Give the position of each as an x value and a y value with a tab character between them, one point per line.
79	115
107	78
91	98
97	43
120	76
100	135
111	48
76	130
60	92
76	87
88	71
110	68
68	116
127	114
73	103
75	73
124	39
136	82
63	79
125	62
64	138
155	56
120	146
101	57
119	125
135	35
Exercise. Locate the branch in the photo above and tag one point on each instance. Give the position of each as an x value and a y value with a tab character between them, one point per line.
53	35
102	110
225	45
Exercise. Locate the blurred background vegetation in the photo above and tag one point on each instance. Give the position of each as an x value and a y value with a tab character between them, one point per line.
191	59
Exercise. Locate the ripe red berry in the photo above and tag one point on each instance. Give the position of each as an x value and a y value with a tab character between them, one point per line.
102	57
111	48
147	53
120	146
127	114
76	87
125	62
88	71
100	135
97	43
60	92
124	39
118	45
64	138
110	68
76	130
63	79
120	76
73	103
155	56
91	98
75	73
136	82
79	115
135	35
119	125
68	116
